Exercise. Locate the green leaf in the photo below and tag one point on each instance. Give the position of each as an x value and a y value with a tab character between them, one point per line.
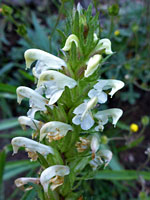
14	168
121	175
2	164
9	123
42	160
29	195
7	88
123	126
8	96
27	75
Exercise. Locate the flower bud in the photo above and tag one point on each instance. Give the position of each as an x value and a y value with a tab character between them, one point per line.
92	65
70	39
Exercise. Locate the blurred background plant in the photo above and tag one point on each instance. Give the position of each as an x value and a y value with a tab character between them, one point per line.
39	24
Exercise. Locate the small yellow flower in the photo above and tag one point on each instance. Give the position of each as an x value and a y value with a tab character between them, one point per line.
117	32
134	127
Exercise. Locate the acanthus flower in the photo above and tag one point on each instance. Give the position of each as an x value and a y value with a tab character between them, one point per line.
32	123
102	116
44	60
54	130
20	182
36	101
54	83
102	84
54	176
102	157
83	114
31	147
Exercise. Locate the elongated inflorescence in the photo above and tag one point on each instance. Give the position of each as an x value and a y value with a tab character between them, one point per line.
65	111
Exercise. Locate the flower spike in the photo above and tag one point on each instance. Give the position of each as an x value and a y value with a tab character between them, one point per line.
54	130
56	171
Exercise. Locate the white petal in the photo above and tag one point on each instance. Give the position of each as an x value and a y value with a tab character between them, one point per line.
51	61
115	113
56	170
104	44
26	121
25	180
55	126
106	155
55	97
102	96
92	93
77	119
31	112
87	122
115	85
56	78
80	109
95	143
36	99
32	145
93	64
89	105
70	39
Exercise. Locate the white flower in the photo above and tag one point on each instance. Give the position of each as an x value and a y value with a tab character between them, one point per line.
45	61
102	84
102	157
31	147
54	83
102	116
56	171
104	44
70	39
20	182
92	65
84	115
27	121
54	130
36	101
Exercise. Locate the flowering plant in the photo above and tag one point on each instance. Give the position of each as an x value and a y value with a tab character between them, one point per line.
65	110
